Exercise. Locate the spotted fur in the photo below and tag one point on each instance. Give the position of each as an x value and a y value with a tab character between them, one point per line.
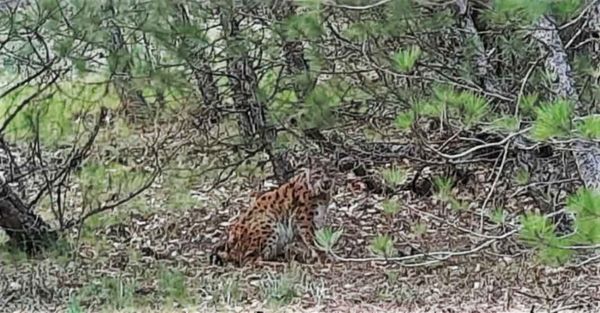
276	218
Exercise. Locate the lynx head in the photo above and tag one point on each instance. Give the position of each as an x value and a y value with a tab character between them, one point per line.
317	177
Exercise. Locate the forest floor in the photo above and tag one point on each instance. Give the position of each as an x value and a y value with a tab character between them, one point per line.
158	262
152	256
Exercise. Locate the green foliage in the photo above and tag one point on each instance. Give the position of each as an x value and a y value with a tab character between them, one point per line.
446	103
100	182
443	187
320	104
399	10
522	177
445	94
419	229
230	292
585	204
538	232
283	104
361	31
404	120
116	292
390	207
498	216
505	123
52	114
473	107
383	246
172	284
406	59
305	26
283	289
61	251
178	184
326	238
553	120
458	204
394	176
9	254
74	306
523	11
428	108
566	8
391	276
528	104
589	128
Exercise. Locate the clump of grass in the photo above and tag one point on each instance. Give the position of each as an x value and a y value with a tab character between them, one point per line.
404	120
74	306
117	293
383	246
223	290
405	60
553	120
172	285
326	238
443	187
419	229
394	176
283	289
231	293
522	177
498	216
390	207
11	254
178	185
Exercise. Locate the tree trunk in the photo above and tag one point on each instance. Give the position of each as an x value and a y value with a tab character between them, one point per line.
244	84
593	22
26	230
587	154
133	102
295	66
293	50
202	72
483	69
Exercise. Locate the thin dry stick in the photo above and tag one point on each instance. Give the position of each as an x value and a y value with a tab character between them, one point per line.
349	7
587	261
444	255
445	221
553	182
431	79
525	80
487	199
579	17
487	145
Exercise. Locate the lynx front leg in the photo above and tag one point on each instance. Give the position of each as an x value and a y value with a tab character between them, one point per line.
306	231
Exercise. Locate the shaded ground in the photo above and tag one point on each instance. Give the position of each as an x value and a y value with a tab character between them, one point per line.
159	260
153	256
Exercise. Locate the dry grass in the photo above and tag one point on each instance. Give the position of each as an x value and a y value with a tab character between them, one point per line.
152	256
122	268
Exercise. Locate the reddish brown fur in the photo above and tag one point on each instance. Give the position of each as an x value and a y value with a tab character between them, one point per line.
254	234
